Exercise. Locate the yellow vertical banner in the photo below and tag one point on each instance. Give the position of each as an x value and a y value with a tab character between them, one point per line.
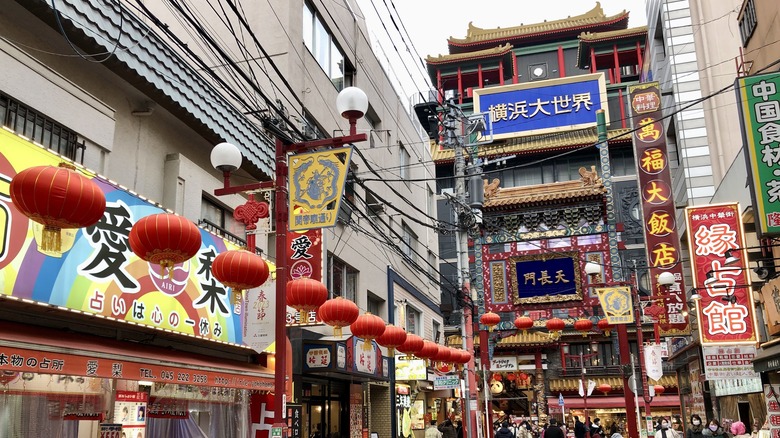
316	183
617	304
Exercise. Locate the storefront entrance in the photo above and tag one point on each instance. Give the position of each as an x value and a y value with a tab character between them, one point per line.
325	409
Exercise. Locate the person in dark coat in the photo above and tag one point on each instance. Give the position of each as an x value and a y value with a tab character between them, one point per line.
459	429
596	429
553	430
714	430
579	428
448	430
696	427
504	432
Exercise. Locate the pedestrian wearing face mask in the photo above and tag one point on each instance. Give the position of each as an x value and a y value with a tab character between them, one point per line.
696	427
666	430
714	430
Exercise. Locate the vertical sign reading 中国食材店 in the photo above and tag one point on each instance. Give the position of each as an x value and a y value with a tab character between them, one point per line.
758	100
655	186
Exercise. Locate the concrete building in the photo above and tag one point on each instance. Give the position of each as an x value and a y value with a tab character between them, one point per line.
141	96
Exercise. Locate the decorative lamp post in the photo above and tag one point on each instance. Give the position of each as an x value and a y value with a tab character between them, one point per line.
164	239
392	338
57	198
583	325
604	326
367	327
490	319
524	323
338	312
352	104
239	270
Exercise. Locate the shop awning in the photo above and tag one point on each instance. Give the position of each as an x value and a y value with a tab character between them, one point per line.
612	402
767	359
25	348
573	383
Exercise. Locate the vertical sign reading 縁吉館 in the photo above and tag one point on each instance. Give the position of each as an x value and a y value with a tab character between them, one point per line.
725	312
759	110
655	186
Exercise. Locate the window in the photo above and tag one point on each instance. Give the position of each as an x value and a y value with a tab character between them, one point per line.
25	121
436	331
404	164
320	43
375	305
432	268
413	320
409	245
343	279
747	22
430	206
220	220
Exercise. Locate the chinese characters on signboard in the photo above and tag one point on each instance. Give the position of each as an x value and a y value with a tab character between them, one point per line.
655	187
729	362
759	106
617	304
315	187
543	106
725	311
537	280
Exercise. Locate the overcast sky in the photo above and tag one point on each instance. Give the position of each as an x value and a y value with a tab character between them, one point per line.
428	23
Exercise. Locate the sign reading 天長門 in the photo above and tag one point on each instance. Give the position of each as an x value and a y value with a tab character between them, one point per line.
540	107
552	279
759	110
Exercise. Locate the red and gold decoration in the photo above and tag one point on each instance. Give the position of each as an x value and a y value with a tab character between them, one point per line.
490	319
392	338
604	388
655	185
367	327
443	355
57	198
428	351
725	312
305	295
411	346
555	326
239	270
164	239
584	326
659	389
338	312
604	326
524	323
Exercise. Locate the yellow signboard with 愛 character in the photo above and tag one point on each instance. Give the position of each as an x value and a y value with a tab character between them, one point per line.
315	187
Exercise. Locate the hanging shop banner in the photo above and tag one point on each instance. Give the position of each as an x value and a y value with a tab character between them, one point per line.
503	363
316	183
772	403
446	382
362	361
617	304
98	274
758	100
726	362
294	420
540	107
413	369
553	278
304	254
770	292
653	361
725	312
34	361
261	414
655	186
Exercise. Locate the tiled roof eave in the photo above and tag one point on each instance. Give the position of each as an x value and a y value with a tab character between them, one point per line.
538	202
470	58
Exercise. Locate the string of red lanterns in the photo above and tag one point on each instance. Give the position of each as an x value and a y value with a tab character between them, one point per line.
338	312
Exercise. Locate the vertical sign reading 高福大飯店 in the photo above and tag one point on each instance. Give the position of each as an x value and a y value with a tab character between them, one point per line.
655	186
725	312
759	109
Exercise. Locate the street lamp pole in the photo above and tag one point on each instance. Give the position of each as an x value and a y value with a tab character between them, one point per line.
584	396
352	104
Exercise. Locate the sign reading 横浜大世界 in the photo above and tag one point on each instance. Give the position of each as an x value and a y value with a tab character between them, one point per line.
543	106
759	106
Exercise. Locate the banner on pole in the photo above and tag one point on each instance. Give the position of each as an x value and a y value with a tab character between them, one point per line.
617	304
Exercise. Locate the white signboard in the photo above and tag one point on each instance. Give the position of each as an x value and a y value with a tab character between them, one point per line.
729	362
446	382
503	363
654	361
260	316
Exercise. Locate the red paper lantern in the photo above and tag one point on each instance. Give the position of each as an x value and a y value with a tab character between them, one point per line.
368	327
305	295
239	270
338	312
465	356
555	325
605	388
490	319
583	325
57	197
411	345
443	354
392	338
524	323
522	377
428	351
659	389
165	240
605	326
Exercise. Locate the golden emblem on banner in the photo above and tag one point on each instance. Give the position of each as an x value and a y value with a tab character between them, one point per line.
315	187
617	304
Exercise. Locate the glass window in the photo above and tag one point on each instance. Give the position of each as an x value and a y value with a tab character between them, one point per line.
375	305
404	164
308	27
409	241
221	218
432	267
747	22
436	331
26	121
321	44
413	317
343	279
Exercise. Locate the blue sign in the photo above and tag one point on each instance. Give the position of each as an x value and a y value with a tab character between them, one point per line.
543	106
560	399
550	280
